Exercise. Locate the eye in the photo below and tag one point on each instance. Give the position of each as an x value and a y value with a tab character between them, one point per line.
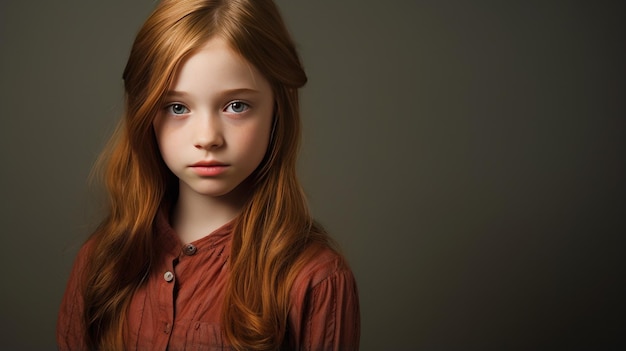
177	109
237	107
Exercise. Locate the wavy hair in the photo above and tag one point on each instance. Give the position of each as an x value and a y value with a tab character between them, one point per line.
273	236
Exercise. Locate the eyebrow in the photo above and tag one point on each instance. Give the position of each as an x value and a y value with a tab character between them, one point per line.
183	94
174	93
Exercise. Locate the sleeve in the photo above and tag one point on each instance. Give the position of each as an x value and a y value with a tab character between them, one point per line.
326	315
70	325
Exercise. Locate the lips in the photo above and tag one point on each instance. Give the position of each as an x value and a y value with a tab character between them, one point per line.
209	168
208	164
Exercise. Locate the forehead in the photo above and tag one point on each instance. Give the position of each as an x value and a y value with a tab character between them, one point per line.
216	67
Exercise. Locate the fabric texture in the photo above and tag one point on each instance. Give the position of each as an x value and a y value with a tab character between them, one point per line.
179	306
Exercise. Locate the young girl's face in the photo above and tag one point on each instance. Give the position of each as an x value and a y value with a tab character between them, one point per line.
214	127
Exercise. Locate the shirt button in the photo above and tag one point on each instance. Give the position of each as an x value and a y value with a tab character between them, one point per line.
190	250
168	276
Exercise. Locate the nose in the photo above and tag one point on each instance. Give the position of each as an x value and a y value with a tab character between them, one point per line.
208	133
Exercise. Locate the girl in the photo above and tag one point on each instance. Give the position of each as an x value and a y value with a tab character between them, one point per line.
208	243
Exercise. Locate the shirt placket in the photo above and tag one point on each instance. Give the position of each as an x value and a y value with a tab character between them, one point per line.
167	286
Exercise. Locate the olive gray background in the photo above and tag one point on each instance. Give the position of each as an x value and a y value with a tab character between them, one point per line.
469	157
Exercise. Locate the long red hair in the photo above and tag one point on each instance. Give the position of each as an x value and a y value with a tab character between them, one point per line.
273	236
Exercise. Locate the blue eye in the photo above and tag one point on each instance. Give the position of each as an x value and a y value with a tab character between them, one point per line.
237	107
177	109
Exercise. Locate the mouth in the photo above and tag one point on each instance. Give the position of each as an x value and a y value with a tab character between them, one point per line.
209	168
209	164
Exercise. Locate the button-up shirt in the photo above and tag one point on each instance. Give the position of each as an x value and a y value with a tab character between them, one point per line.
179	306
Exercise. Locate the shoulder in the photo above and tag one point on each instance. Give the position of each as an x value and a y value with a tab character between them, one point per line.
77	273
85	252
324	267
70	324
324	313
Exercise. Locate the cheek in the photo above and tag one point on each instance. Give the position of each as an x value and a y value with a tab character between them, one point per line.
157	128
254	141
167	141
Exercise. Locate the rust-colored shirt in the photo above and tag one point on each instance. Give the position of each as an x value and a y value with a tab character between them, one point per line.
179	307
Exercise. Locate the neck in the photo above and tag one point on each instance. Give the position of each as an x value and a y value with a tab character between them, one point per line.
196	216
